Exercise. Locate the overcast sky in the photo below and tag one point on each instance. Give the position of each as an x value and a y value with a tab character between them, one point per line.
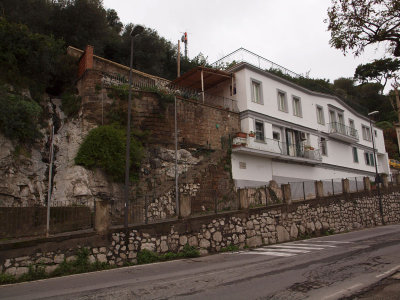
291	33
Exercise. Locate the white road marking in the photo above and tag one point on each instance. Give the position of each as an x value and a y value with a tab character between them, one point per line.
388	271
284	250
335	242
270	253
295	247
316	245
343	290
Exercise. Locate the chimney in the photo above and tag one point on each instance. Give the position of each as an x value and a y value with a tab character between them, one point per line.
86	61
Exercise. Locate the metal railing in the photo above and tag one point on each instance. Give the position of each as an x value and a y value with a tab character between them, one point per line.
275	146
336	127
244	55
146	83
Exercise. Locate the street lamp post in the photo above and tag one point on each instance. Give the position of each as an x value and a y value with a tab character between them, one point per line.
377	177
135	31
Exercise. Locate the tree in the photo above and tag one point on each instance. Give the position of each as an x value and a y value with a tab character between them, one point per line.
355	24
380	71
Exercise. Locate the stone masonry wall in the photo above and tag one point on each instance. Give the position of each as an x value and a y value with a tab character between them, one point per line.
254	227
198	124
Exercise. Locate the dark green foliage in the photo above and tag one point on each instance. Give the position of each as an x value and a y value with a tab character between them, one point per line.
164	96
70	104
7	278
230	248
104	148
33	60
19	117
94	25
146	256
379	70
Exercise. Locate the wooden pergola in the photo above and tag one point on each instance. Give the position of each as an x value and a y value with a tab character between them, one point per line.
202	78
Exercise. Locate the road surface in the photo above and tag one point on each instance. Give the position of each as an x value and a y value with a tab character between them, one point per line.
329	267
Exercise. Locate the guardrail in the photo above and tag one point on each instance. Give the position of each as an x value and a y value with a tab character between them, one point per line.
336	127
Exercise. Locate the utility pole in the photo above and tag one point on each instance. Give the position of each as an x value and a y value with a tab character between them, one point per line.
178	60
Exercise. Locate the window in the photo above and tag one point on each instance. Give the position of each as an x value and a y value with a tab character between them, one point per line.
332	116
323	146
276	135
366	133
355	155
320	115
282	103
297	107
256	91
369	158
259	131
353	131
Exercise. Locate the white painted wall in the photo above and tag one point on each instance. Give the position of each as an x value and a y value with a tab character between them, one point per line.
309	103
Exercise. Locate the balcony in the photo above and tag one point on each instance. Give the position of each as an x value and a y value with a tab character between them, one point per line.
276	149
342	132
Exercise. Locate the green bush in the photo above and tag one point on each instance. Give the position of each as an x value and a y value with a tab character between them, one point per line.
104	148
147	257
70	104
7	278
19	117
230	248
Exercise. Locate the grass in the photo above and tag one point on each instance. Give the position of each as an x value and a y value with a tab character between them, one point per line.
230	248
80	265
147	257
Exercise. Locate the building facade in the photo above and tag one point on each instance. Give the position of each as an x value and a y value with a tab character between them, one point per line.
294	134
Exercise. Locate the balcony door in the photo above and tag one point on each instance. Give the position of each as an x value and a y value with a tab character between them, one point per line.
291	138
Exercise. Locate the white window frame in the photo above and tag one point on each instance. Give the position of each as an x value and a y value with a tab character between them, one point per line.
297	111
354	150
323	144
255	130
320	117
366	133
369	158
285	104
258	83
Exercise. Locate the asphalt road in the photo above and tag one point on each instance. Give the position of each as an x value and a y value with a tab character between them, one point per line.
329	267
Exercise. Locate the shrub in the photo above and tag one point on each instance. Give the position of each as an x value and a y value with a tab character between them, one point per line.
147	257
19	118
104	148
230	248
7	278
70	104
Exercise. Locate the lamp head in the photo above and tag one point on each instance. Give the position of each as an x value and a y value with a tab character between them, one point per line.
137	30
373	113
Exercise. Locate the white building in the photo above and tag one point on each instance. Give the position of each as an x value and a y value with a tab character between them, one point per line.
299	134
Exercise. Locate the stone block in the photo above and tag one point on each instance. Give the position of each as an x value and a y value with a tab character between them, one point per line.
193	241
367	184
244	199
282	234
254	241
204	243
345	186
50	269
287	193
294	232
185	205
102	220
217	236
102	258
148	246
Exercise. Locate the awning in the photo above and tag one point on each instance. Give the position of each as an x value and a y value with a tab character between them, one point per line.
211	77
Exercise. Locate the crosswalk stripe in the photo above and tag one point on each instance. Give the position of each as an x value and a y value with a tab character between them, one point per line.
270	253
295	247
314	245
335	242
284	250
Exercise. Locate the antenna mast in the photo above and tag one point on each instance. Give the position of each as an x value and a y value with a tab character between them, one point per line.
184	40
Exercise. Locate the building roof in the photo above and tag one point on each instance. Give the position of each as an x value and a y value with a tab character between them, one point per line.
211	78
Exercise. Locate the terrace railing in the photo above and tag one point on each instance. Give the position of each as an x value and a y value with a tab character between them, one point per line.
340	128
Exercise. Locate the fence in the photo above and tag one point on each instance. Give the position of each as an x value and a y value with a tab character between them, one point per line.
303	190
150	84
19	221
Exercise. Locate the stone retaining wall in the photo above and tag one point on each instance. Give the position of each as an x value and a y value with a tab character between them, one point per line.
253	227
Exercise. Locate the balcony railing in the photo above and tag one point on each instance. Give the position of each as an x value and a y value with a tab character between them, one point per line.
339	128
278	147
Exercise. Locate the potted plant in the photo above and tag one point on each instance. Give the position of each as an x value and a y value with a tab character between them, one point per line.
308	147
252	134
241	134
